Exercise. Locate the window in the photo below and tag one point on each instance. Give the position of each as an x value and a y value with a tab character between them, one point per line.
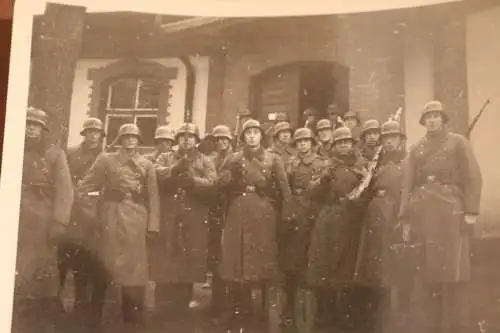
133	100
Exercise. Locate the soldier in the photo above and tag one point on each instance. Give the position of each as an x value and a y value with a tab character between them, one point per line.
46	201
440	203
282	141
333	112
129	208
370	137
295	235
78	253
310	116
353	122
259	190
164	141
186	183
223	138
374	265
324	130
332	250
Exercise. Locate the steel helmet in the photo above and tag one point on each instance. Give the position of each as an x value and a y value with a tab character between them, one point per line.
129	129
222	131
92	124
433	106
352	114
392	127
342	133
251	123
164	133
310	112
188	128
37	116
303	133
324	124
282	126
370	125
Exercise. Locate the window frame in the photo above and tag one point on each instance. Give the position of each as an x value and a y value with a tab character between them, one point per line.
132	113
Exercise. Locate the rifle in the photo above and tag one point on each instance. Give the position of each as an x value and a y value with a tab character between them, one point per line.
237	130
476	118
372	165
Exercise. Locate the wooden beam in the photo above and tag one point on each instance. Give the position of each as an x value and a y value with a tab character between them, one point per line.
56	52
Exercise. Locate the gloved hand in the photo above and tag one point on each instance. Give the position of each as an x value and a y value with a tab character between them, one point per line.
237	167
185	180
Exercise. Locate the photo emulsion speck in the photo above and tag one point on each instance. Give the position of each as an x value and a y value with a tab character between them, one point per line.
307	174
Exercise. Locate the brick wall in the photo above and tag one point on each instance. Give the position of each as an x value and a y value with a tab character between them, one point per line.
370	44
292	40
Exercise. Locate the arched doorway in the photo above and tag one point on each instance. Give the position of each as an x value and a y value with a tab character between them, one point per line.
287	90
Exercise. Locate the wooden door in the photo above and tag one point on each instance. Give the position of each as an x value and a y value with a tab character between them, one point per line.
277	94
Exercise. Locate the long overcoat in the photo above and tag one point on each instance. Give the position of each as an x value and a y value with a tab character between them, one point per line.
181	253
46	198
84	224
374	264
284	152
442	182
294	237
128	209
217	213
258	189
335	235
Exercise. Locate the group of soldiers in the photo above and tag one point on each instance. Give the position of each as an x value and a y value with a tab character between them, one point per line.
261	211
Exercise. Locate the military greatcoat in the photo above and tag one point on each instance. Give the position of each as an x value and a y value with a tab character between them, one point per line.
442	182
258	188
374	264
129	208
335	233
186	185
46	199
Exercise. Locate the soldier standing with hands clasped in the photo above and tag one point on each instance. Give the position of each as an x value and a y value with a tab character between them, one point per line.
258	192
129	208
186	179
439	206
46	201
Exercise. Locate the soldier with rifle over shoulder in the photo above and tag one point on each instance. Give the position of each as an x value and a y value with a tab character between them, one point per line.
439	207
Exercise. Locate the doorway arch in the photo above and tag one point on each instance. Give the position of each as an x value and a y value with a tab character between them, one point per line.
288	89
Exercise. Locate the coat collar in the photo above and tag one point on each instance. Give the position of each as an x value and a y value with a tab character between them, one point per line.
258	154
308	158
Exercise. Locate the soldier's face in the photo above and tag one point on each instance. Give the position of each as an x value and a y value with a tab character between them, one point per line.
391	142
351	122
253	137
130	141
343	146
187	141
325	135
33	130
223	144
304	145
433	121
92	137
372	137
164	145
285	137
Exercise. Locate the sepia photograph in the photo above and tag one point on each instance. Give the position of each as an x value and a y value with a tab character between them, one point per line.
316	172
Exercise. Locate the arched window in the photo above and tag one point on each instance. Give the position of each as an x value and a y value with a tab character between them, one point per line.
132	100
